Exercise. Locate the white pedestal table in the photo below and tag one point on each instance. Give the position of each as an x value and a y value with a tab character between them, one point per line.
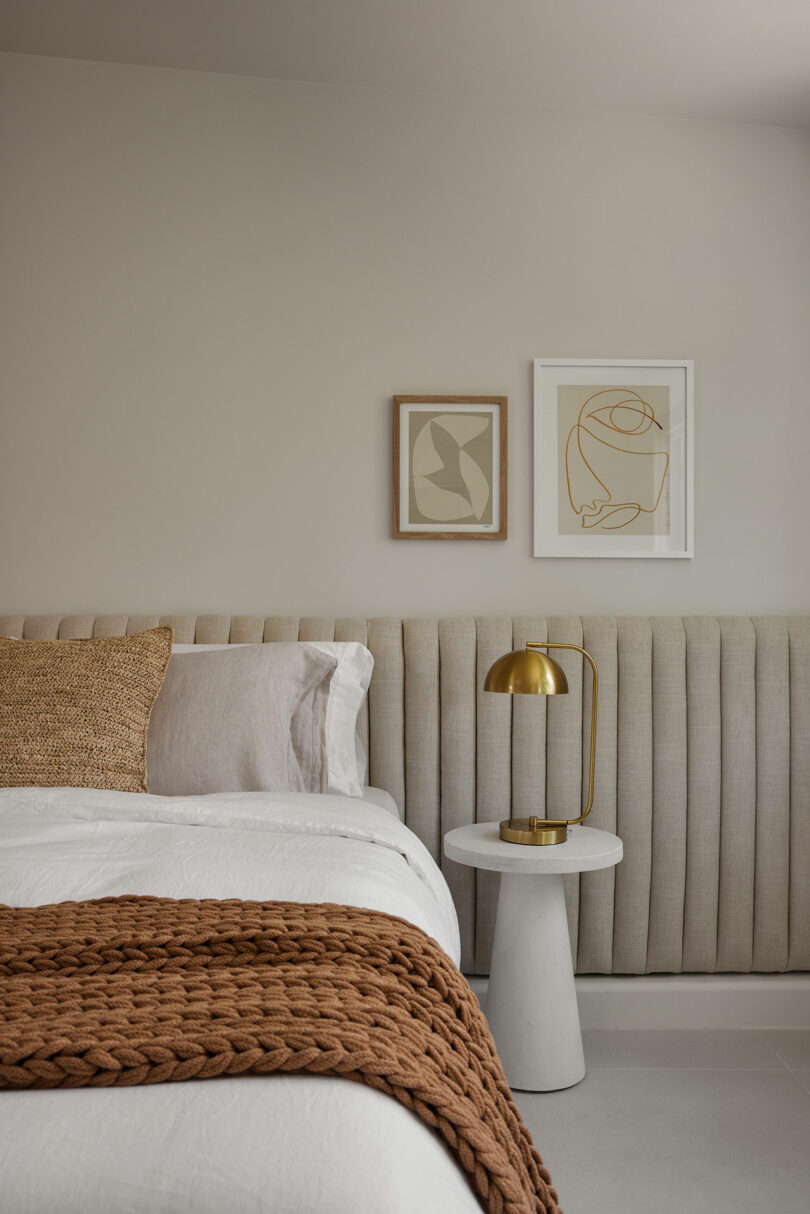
531	1002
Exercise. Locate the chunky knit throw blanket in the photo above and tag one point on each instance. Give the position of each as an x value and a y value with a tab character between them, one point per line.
133	990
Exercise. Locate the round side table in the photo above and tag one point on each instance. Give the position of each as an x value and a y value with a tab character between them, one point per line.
531	1003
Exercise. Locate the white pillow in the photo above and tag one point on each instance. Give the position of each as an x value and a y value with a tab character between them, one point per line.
347	691
362	759
247	718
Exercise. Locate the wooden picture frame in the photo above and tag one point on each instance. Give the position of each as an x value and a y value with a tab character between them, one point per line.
459	446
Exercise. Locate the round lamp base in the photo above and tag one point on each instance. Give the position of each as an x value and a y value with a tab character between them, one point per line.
535	831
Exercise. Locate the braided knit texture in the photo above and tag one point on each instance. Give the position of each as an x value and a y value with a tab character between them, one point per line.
131	990
75	713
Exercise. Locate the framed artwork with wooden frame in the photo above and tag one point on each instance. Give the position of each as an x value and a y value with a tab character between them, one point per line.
450	467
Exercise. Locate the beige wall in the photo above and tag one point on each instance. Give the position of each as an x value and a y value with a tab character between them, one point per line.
211	287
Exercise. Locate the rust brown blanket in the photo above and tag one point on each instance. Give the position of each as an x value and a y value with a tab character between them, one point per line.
130	990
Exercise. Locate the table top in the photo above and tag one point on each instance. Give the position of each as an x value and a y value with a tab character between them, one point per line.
480	846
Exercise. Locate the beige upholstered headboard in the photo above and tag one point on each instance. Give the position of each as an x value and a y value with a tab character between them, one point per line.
703	768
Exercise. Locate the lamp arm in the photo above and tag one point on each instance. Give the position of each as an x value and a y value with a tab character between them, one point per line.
585	654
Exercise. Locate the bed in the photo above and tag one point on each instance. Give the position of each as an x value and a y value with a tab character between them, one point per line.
280	1143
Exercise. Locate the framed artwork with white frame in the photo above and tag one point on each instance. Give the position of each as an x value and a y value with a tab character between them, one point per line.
613	451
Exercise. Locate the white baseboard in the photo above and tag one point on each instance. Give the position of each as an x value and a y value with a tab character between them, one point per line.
689	1001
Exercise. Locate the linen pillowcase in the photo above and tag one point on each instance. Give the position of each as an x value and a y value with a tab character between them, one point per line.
347	690
361	758
223	721
75	713
349	686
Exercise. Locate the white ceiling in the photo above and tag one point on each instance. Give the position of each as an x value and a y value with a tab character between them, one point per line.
733	60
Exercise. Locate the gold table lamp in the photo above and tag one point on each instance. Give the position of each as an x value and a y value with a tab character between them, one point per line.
530	672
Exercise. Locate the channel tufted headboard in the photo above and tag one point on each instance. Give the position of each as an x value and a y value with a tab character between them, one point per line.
703	768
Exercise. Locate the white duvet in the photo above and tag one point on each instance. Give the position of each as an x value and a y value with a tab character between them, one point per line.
254	1145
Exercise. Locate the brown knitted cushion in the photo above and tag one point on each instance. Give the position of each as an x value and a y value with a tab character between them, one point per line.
74	713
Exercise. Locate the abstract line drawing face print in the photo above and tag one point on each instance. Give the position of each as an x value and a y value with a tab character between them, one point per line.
451	462
614	460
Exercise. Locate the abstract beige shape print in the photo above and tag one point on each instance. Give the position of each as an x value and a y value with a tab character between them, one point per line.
425	459
450	467
451	461
476	482
462	428
440	505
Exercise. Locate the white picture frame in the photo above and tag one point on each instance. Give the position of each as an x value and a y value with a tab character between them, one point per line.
593	496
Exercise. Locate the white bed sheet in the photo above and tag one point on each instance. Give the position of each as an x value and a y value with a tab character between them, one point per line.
378	796
255	1145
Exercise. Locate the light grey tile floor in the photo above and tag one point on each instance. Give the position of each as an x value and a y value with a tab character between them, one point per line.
710	1122
792	1046
681	1048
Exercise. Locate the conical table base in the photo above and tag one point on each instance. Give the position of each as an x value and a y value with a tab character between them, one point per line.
531	1002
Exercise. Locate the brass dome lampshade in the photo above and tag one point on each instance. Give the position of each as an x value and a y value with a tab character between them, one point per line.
530	672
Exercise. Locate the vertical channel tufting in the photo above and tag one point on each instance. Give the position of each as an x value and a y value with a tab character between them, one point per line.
703	767
110	626
738	792
422	780
184	626
142	623
668	861
564	749
457	696
529	732
12	626
75	627
356	630
772	873
316	628
564	724
387	709
634	795
704	790
213	630
281	628
41	627
799	957
596	890
246	630
493	770
351	630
